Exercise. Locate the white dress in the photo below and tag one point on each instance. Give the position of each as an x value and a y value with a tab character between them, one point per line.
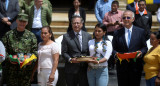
45	63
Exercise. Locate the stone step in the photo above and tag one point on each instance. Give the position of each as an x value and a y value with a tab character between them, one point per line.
155	28
64	28
88	23
59	19
66	23
89	30
57	34
122	6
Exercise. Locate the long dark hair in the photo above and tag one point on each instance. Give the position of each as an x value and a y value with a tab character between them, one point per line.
50	31
103	27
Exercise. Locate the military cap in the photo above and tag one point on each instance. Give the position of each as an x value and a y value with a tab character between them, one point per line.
22	17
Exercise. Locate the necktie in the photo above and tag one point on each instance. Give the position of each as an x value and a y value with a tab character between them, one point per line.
79	39
7	4
129	37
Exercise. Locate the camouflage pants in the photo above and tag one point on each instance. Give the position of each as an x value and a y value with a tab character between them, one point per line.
19	78
14	76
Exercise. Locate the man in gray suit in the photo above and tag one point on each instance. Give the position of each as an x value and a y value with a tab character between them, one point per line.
75	44
9	10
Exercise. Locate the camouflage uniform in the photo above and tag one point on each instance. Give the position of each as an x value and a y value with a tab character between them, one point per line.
18	43
22	5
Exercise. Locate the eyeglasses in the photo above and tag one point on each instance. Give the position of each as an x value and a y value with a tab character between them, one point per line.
76	23
126	17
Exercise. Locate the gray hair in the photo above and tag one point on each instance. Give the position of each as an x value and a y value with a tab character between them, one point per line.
133	15
76	16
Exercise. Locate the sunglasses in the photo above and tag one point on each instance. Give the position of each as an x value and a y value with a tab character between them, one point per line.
126	17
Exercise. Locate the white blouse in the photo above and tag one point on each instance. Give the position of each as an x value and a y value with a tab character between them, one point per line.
45	55
99	51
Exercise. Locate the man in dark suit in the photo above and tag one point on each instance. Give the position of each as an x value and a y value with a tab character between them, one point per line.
126	40
75	44
9	10
143	18
133	6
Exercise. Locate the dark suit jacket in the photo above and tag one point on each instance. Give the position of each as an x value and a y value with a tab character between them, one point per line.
71	13
12	12
131	7
71	48
144	22
137	42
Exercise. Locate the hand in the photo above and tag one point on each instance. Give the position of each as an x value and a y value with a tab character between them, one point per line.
29	63
139	54
5	19
8	23
13	62
32	79
94	61
74	60
157	82
116	23
111	24
51	78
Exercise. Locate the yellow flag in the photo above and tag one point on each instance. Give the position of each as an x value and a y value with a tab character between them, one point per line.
29	60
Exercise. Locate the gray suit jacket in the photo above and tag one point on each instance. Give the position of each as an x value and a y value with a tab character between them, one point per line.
71	49
11	12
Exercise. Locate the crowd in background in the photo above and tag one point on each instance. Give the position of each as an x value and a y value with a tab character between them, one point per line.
25	28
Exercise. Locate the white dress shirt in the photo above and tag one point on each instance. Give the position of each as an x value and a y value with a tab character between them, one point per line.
37	23
158	15
79	38
141	13
76	14
126	33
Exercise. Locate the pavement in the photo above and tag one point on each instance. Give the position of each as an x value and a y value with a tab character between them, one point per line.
58	16
113	79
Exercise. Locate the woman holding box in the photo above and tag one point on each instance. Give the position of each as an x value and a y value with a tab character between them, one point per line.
101	48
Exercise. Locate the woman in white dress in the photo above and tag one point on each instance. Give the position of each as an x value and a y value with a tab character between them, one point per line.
48	56
101	48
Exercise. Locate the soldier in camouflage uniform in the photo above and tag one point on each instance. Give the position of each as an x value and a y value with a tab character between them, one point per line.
19	40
